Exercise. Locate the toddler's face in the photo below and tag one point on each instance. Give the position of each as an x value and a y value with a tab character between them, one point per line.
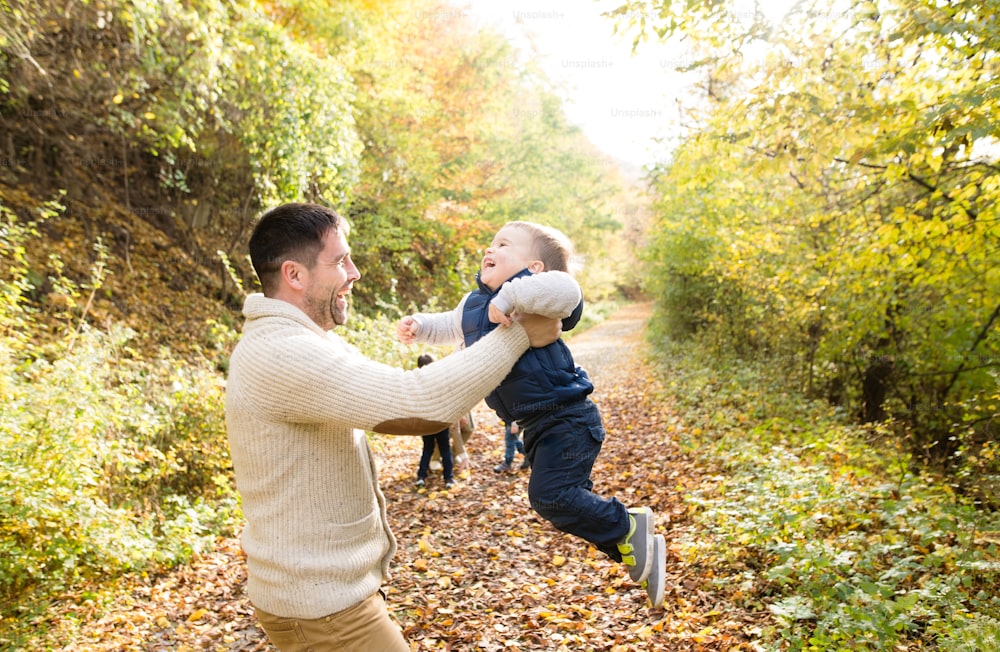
509	253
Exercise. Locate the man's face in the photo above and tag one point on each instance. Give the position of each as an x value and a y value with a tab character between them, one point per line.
330	280
509	253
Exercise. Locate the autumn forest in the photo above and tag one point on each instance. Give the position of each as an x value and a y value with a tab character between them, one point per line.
811	396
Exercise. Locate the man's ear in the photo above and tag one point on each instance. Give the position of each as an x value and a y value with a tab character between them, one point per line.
536	266
292	274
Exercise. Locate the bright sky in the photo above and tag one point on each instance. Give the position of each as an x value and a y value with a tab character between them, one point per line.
622	102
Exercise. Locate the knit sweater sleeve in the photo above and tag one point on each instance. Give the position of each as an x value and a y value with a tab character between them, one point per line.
440	327
551	294
308	376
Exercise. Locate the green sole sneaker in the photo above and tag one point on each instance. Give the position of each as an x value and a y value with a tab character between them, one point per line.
656	583
637	546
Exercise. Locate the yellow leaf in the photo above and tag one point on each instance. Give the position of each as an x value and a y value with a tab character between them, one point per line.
197	615
425	547
644	633
118	99
558	560
149	116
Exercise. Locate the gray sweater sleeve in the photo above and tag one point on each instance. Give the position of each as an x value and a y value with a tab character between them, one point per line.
550	294
440	327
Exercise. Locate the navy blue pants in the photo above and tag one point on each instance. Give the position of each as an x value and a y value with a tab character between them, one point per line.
512	442
443	441
562	447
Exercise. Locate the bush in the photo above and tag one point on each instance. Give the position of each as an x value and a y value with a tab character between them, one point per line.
108	462
821	524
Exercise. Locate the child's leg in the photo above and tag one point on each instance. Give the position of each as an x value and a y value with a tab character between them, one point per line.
519	446
425	456
509	440
444	447
560	485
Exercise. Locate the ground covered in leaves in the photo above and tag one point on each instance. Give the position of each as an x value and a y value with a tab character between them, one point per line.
476	568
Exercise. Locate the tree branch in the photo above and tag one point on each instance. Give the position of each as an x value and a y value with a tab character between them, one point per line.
979	338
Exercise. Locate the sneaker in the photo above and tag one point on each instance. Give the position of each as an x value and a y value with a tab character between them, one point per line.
449	484
525	464
419	483
637	546
656	583
502	468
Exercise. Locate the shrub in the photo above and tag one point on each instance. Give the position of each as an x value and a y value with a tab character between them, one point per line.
819	523
108	462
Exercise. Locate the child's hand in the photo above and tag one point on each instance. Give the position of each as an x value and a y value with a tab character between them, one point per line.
406	330
497	317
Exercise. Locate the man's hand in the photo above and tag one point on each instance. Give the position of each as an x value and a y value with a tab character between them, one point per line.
542	331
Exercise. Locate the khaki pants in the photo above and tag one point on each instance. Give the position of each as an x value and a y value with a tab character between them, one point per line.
364	627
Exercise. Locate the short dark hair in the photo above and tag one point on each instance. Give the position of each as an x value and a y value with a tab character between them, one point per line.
425	360
289	232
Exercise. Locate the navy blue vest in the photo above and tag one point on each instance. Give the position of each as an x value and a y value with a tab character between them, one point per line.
543	380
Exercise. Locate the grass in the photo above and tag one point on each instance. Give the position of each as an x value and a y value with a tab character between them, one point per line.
824	524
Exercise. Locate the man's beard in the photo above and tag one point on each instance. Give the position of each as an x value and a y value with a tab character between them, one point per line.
326	312
339	312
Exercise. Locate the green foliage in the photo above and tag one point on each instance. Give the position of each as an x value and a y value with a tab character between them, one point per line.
426	133
974	635
460	136
195	115
243	76
422	130
107	462
834	210
288	107
14	278
293	112
823	525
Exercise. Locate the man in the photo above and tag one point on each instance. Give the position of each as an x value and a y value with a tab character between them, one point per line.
317	540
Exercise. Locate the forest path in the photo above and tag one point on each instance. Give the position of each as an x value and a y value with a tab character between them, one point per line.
476	568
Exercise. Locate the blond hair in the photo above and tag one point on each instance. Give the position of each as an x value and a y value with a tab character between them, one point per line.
549	245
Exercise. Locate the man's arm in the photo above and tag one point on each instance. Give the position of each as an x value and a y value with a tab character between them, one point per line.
291	373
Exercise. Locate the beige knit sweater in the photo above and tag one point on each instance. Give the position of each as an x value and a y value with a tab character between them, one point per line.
297	401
